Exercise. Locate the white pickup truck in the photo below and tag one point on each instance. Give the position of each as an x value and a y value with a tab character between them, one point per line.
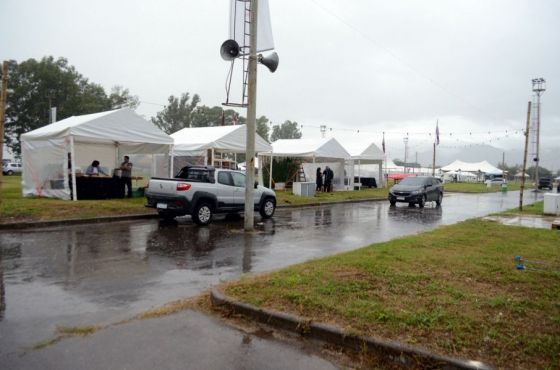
201	191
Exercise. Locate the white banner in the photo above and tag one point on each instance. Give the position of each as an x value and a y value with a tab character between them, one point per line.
238	28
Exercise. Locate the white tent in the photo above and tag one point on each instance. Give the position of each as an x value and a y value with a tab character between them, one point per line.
199	141
104	136
369	162
328	152
476	167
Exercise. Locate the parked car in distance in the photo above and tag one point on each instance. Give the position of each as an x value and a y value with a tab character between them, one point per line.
545	183
495	181
417	190
10	168
202	191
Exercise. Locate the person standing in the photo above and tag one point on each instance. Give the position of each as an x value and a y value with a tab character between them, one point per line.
328	179
126	176
319	179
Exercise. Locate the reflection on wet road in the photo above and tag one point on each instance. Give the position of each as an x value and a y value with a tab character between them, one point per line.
99	273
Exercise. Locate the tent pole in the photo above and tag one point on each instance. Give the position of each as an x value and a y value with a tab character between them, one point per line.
270	173
359	170
172	164
117	155
72	164
212	159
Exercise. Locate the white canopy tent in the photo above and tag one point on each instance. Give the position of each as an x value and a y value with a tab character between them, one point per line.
205	141
328	152
49	153
476	167
369	161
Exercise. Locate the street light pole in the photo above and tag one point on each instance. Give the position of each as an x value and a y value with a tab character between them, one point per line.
251	121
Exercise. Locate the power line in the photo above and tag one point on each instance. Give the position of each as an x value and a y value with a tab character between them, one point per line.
399	59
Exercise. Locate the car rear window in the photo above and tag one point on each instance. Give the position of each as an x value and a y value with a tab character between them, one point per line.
195	174
413	181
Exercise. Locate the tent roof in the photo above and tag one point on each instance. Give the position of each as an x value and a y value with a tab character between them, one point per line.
370	153
309	148
196	140
483	166
121	125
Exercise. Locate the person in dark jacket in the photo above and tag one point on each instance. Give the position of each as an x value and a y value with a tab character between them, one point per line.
329	174
319	179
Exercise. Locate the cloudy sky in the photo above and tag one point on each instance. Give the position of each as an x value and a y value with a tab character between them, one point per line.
360	67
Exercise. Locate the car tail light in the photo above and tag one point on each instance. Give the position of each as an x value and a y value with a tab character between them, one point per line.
182	186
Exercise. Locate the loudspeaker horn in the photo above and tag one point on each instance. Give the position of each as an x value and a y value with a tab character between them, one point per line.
229	50
271	61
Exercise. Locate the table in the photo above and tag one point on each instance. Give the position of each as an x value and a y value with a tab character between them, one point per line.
98	187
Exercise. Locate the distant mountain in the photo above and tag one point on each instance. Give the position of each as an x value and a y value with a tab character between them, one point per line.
549	158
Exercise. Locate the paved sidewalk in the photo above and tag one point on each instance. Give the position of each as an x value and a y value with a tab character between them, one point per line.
187	340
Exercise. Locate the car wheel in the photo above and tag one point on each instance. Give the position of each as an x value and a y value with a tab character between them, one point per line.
10	173
392	201
439	199
422	202
202	214
267	208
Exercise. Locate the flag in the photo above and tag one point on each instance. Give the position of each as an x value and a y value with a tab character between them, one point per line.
383	143
437	133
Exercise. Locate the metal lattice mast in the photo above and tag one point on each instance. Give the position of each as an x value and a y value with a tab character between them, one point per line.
539	87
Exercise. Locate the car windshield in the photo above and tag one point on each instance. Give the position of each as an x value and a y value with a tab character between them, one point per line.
413	181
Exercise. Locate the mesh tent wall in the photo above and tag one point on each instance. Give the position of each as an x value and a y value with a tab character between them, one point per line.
54	152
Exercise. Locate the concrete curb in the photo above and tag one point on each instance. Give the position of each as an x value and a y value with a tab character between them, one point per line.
405	355
316	204
77	221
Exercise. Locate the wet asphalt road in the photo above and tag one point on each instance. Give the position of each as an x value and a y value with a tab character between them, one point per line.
102	273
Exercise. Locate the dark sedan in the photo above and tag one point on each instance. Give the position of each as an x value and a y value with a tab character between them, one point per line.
417	190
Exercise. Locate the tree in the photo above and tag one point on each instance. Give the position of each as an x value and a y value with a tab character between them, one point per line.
205	116
262	127
36	86
121	98
177	114
543	172
287	130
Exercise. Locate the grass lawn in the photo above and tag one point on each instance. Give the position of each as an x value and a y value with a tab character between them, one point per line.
454	290
286	197
475	187
536	208
14	207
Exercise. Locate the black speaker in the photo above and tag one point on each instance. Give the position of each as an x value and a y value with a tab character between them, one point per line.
229	50
271	61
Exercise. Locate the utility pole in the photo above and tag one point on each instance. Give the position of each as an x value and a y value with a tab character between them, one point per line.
3	100
434	161
538	88
251	121
405	151
504	165
525	157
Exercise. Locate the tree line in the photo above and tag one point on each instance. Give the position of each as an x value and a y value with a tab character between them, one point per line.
35	86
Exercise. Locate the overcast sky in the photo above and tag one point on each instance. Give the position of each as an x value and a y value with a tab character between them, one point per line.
374	66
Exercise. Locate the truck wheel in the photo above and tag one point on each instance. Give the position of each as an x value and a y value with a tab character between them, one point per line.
267	208
202	214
